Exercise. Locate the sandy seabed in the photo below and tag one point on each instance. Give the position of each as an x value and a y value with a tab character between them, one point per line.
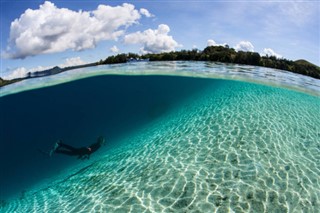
234	147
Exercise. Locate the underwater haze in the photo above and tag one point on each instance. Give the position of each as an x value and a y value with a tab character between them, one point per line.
208	138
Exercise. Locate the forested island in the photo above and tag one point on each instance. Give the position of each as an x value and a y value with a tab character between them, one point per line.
222	54
229	55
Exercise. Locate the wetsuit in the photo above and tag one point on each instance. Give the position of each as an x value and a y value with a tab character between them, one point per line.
82	153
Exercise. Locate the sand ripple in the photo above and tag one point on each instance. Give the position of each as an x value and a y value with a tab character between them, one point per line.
235	147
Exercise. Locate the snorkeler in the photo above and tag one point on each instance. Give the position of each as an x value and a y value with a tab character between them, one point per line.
82	152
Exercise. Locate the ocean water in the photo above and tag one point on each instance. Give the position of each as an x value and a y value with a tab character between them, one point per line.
174	144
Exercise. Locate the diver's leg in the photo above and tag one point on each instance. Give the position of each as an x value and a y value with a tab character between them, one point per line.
66	146
65	152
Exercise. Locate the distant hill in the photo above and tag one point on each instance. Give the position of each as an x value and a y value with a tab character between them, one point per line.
305	62
309	68
4	82
53	71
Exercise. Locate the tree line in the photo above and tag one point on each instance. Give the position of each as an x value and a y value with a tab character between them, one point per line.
212	53
222	54
229	55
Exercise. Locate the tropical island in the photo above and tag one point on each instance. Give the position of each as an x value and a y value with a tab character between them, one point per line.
222	54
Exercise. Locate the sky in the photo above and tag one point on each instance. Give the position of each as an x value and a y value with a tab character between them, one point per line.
37	35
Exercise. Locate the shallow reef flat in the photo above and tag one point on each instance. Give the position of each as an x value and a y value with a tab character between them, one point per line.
234	146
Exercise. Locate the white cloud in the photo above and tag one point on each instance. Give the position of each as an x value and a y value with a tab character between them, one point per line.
270	52
146	13
114	49
50	29
22	71
244	46
72	62
153	41
17	73
211	42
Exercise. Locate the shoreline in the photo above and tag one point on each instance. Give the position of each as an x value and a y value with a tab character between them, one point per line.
218	54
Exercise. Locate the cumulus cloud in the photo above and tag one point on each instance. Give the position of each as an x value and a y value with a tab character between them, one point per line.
146	13
211	42
22	71
244	46
72	62
270	52
17	73
50	29
114	49
153	41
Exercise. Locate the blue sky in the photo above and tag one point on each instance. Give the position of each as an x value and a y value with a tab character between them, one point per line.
37	34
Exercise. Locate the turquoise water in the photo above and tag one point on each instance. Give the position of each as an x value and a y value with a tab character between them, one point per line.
228	146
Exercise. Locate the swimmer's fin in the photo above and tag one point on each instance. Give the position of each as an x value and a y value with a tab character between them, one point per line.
44	152
55	147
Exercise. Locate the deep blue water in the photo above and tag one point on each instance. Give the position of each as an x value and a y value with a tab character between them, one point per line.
77	113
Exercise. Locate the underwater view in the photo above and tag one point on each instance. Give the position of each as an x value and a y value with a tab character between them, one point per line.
193	141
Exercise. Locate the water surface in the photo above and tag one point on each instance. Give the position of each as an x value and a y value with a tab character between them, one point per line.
214	70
